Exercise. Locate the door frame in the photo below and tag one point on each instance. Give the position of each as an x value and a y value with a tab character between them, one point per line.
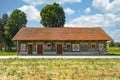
42	48
31	50
57	49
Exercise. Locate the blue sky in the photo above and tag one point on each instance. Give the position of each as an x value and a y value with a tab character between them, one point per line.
79	13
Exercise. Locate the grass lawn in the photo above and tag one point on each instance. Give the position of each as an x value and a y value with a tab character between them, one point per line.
59	69
3	53
114	50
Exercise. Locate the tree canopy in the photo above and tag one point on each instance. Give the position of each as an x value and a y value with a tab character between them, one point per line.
52	16
0	29
15	22
114	44
3	22
5	18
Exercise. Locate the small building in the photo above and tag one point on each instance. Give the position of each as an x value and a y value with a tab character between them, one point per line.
70	40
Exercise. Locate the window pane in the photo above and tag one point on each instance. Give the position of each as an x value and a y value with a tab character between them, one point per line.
93	45
83	45
23	47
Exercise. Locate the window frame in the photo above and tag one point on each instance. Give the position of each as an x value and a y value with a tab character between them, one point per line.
93	44
23	47
81	45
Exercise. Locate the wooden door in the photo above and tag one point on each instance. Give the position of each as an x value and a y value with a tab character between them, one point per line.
59	48
29	49
39	49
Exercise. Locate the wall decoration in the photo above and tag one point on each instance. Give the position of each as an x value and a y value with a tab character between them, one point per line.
75	47
101	47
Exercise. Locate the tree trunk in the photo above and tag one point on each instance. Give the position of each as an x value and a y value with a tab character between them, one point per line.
10	48
0	48
5	48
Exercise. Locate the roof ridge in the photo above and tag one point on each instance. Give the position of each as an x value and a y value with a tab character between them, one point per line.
59	27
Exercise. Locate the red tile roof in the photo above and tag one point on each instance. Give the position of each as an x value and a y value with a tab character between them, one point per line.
69	33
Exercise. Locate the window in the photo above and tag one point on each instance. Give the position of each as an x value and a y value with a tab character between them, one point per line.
84	45
49	45
23	47
34	48
93	45
68	46
75	47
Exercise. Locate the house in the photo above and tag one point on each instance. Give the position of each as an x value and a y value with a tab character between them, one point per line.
68	40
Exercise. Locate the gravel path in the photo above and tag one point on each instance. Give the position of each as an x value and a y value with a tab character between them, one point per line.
106	56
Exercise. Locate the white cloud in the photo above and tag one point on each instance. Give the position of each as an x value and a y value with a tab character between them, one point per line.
32	13
40	2
87	10
9	13
116	35
69	11
107	6
105	20
101	4
94	20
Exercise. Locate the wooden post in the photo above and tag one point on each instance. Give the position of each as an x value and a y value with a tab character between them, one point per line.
18	47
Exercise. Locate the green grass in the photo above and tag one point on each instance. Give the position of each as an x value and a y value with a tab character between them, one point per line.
114	50
59	69
3	53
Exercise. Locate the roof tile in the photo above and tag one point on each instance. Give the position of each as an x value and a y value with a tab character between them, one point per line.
69	33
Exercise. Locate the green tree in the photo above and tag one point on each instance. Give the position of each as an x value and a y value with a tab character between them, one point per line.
112	44
5	18
52	16
3	22
117	44
16	21
0	30
0	34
